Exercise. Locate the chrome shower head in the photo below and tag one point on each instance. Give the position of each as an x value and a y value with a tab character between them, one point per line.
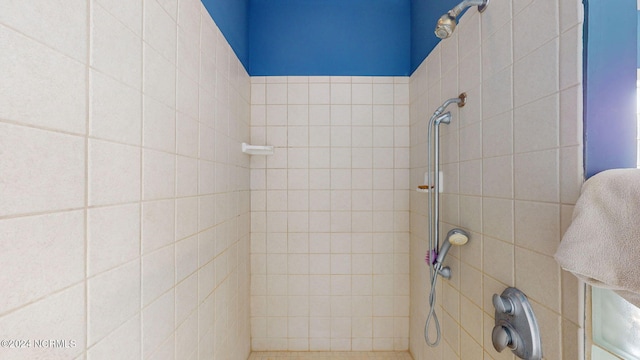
447	23
456	237
445	26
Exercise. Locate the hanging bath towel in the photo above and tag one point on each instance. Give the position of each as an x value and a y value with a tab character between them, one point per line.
602	244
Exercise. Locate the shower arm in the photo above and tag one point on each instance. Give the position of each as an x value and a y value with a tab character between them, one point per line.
461	100
463	5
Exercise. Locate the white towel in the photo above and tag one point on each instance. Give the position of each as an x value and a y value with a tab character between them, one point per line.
602	244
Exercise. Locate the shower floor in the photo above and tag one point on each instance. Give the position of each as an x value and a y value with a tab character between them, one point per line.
333	355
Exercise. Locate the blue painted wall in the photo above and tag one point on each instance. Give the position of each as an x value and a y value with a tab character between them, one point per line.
329	37
610	85
424	15
232	17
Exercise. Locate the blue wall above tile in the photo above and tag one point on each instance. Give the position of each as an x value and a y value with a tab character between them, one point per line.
424	15
329	37
231	16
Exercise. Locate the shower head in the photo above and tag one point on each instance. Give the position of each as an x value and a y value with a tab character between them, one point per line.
445	26
447	23
456	237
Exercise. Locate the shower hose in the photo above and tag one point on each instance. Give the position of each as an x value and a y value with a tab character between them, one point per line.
432	312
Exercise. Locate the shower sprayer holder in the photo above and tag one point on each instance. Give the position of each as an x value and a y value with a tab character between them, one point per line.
443	271
431	260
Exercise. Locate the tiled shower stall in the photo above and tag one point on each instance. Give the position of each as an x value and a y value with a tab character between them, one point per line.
132	224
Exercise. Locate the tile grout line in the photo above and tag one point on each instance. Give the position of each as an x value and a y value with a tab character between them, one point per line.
140	176
86	173
175	190
196	272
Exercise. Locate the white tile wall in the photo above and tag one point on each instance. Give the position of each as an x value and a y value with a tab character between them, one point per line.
115	110
59	26
35	71
330	214
116	50
119	162
57	264
512	169
124	220
63	313
106	159
113	236
51	165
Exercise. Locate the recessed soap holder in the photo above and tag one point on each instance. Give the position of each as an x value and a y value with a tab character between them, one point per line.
516	326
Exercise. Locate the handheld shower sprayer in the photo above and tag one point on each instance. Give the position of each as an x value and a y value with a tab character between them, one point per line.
447	23
456	237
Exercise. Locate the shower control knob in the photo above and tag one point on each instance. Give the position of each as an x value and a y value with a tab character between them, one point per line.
516	327
503	305
501	337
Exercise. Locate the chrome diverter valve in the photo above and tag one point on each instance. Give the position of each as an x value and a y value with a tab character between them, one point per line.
516	326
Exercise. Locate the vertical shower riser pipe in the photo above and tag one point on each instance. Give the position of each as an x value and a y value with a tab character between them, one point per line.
434	226
442	119
433	209
436	188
